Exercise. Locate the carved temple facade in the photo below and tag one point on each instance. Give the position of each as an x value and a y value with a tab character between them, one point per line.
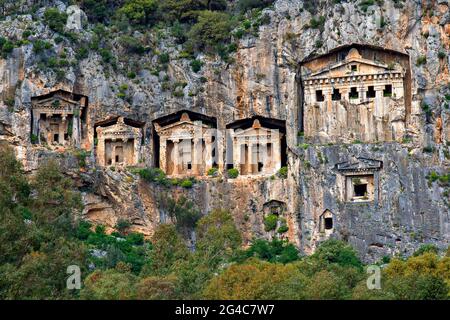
119	142
58	118
257	149
359	179
186	147
188	143
350	95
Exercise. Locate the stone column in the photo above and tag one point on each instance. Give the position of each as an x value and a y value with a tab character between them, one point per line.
136	147
113	152
379	101
36	122
361	93
251	160
236	153
48	125
208	155
176	156
62	129
221	149
162	154
197	157
276	150
76	136
327	92
101	151
397	89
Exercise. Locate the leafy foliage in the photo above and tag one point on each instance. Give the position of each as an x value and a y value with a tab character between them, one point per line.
233	173
55	20
270	222
138	11
272	251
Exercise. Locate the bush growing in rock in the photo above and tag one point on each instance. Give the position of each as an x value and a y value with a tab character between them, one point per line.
212	171
233	173
211	29
131	44
196	65
283	172
421	60
55	20
270	222
186	183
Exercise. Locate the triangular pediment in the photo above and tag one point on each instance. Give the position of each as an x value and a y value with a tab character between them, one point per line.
181	125
354	65
253	132
360	164
55	102
344	68
118	128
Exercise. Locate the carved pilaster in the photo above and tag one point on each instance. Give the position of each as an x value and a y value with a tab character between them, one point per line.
176	156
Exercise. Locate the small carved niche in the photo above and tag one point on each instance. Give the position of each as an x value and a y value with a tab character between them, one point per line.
326	222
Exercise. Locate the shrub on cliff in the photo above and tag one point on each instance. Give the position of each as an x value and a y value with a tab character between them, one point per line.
154	175
270	222
283	172
272	251
245	5
218	238
337	252
55	20
132	45
233	173
139	11
211	29
111	284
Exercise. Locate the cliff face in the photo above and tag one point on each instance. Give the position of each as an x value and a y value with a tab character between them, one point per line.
264	79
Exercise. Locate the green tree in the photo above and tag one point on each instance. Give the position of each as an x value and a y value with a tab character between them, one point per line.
157	288
272	251
42	274
182	10
168	251
55	20
182	211
111	284
139	11
337	252
212	28
99	10
56	198
218	238
326	285
257	280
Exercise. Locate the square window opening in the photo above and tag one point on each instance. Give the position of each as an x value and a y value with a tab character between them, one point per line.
371	92
354	67
387	92
319	96
353	94
260	166
336	96
360	190
328	223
